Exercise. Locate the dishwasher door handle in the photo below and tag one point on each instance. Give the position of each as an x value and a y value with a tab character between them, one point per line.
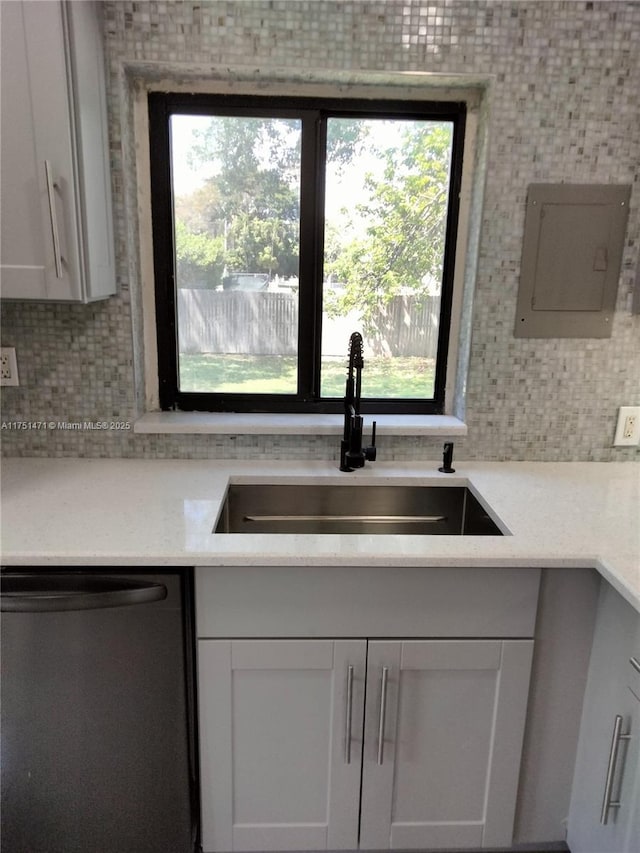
49	592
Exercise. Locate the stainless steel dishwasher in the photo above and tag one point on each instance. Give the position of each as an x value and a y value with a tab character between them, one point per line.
98	721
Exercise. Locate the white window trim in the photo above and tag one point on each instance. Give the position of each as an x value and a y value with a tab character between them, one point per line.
470	89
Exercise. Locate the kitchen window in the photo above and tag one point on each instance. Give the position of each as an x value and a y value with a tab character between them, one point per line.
280	226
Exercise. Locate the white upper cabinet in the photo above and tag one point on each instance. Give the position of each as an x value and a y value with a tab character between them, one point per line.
57	228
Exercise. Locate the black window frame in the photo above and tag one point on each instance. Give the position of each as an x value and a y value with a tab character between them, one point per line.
314	112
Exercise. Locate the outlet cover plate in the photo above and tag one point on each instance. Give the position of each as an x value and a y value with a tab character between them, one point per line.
8	366
620	439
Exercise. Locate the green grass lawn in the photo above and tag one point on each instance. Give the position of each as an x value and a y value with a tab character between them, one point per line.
245	374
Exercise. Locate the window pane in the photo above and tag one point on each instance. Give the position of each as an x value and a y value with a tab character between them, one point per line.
385	221
236	189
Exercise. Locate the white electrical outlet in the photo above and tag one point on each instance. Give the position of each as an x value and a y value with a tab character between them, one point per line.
628	428
8	366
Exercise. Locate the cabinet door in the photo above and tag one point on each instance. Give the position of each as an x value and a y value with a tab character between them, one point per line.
55	193
621	832
629	793
608	695
39	226
443	735
278	768
632	771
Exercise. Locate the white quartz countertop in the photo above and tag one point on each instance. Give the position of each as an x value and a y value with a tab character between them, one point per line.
162	512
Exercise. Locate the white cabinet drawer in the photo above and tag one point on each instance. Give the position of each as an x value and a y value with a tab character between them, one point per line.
357	601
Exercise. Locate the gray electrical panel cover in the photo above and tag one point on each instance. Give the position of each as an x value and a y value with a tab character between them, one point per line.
571	257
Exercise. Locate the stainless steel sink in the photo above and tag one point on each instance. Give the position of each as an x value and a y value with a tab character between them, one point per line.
416	510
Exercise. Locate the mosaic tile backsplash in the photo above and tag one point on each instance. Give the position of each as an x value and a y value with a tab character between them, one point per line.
564	106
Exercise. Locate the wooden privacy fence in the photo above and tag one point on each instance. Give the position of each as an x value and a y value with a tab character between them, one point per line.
266	323
237	321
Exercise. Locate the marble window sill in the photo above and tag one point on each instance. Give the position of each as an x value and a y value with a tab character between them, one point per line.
293	424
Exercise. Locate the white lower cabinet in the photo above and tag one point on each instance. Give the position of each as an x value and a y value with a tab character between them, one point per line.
441	769
274	724
338	744
605	804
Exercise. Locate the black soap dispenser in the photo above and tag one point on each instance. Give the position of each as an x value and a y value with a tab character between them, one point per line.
447	459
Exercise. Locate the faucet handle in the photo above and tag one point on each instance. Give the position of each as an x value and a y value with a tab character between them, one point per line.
370	452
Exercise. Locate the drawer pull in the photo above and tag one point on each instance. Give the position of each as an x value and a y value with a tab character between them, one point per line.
349	710
383	713
51	188
607	802
635	663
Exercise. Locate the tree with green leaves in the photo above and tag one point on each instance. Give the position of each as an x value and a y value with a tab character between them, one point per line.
252	202
402	248
246	216
199	258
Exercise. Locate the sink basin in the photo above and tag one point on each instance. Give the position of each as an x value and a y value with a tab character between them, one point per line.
416	510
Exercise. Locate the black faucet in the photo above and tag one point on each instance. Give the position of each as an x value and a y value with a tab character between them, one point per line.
352	453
